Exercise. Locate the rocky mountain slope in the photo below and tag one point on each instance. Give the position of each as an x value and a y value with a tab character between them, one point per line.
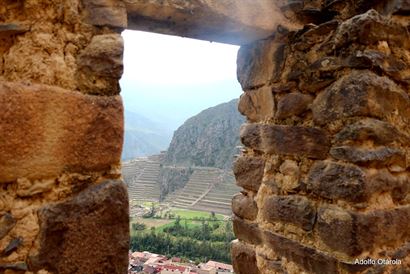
143	136
207	139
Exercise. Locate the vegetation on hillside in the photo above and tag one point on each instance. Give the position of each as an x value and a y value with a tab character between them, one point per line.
191	235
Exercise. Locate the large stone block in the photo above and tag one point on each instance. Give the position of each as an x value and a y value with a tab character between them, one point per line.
88	234
334	181
294	103
382	227
361	93
238	22
257	105
286	140
336	229
260	62
248	172
247	231
369	28
106	13
353	233
380	132
375	157
243	258
309	258
294	209
244	206
46	131
100	65
305	257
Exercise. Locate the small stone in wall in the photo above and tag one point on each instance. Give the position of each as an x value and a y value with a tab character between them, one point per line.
11	267
289	177
12	29
369	28
380	132
333	180
286	140
257	105
294	209
247	231
249	172
244	258
377	157
293	104
361	93
106	13
100	65
7	222
27	188
244	206
12	246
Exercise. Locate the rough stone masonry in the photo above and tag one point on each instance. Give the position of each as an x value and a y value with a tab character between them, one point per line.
63	207
325	170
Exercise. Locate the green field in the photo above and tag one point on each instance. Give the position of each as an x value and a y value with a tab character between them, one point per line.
191	214
189	218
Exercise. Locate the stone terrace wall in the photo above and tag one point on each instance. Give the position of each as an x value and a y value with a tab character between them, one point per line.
325	170
63	208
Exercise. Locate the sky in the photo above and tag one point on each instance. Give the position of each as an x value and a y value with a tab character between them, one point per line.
169	79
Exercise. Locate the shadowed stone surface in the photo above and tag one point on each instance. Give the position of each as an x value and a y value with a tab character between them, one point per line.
297	210
352	233
88	234
106	13
257	105
286	140
332	180
244	206
292	104
249	172
380	132
257	65
247	231
380	156
361	93
310	259
100	65
244	258
7	222
46	131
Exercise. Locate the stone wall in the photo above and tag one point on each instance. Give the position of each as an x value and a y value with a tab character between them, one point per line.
325	171
63	208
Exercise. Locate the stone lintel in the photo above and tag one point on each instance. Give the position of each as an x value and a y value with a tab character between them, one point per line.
236	22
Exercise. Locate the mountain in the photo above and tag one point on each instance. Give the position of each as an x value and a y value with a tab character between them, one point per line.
207	139
143	136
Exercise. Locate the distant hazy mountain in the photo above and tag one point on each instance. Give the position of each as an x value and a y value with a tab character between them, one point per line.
143	136
207	139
